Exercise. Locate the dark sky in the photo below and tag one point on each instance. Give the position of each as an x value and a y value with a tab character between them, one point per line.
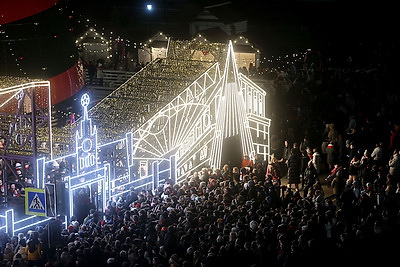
275	25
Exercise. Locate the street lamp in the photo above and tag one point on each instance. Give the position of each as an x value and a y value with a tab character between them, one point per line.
149	7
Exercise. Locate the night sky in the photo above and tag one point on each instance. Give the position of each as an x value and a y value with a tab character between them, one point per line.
275	26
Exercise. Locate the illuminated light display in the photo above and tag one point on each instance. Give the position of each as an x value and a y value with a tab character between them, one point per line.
185	135
93	42
155	47
217	105
88	172
25	110
91	171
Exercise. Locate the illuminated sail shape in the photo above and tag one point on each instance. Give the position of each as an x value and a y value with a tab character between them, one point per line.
171	127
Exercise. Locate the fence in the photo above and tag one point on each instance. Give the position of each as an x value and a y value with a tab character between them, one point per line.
161	172
112	78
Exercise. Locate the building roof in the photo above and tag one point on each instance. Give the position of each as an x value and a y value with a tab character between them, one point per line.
225	12
215	35
91	36
158	40
243	45
244	49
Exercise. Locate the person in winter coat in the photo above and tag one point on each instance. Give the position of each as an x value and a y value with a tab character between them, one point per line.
377	154
338	184
394	165
273	172
310	176
331	157
294	168
316	160
34	250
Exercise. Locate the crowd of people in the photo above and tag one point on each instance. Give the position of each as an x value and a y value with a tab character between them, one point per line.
17	180
237	217
332	132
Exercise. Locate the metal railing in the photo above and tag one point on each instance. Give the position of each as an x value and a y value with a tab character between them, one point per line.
112	78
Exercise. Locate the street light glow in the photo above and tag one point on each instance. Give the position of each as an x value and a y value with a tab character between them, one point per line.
149	7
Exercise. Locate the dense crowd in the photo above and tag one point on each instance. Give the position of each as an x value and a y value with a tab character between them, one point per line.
246	215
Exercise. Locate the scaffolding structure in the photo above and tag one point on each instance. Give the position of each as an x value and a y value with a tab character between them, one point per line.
25	128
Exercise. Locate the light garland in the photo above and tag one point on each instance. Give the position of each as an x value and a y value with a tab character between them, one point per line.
282	62
21	123
241	40
10	81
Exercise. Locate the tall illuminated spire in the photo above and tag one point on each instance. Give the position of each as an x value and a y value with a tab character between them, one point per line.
231	114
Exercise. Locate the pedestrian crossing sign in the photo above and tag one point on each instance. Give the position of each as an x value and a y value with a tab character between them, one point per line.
35	201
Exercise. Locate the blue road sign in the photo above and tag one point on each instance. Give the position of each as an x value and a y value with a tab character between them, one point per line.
35	202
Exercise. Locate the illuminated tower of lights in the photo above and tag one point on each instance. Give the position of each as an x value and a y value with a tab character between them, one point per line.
86	141
231	119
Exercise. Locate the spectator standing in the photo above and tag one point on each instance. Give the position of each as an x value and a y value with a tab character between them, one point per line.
365	166
304	144
286	151
34	250
273	172
305	159
331	158
294	168
333	133
353	152
354	169
338	184
394	165
91	71
252	69
244	71
310	176
352	124
316	160
377	154
100	72
247	162
285	157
